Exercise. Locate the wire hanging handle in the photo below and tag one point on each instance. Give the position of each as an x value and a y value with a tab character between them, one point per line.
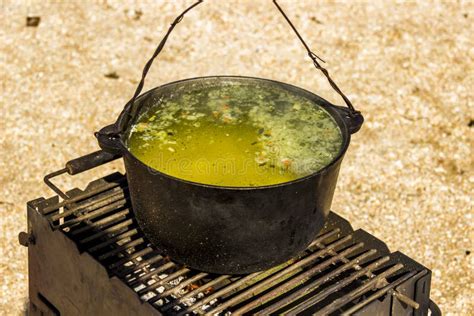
131	109
316	63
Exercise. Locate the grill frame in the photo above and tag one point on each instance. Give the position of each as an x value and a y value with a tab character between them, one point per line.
81	267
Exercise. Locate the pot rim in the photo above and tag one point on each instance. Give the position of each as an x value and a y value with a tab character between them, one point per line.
329	107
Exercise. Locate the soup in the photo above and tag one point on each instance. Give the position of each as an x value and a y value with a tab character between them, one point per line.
235	135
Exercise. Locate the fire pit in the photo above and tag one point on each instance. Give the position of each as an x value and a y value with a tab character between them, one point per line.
87	255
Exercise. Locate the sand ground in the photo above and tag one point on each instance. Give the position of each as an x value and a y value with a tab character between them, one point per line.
407	177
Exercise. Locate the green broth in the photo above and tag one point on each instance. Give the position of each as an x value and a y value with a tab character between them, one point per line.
236	135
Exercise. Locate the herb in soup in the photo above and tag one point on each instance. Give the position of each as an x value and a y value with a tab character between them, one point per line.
236	135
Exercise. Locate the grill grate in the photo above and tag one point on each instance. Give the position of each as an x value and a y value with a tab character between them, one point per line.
342	271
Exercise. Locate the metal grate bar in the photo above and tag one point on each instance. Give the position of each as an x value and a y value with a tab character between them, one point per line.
345	260
134	255
175	290
113	240
300	279
123	247
102	223
367	286
83	196
323	237
278	277
111	230
159	283
115	195
249	279
137	268
91	215
315	284
379	293
339	285
195	292
134	282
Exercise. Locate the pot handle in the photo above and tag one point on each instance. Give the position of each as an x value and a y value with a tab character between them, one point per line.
131	108
89	161
353	121
79	165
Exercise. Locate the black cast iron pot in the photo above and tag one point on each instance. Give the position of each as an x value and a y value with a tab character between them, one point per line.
228	230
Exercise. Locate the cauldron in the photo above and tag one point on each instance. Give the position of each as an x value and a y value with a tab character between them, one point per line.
228	230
